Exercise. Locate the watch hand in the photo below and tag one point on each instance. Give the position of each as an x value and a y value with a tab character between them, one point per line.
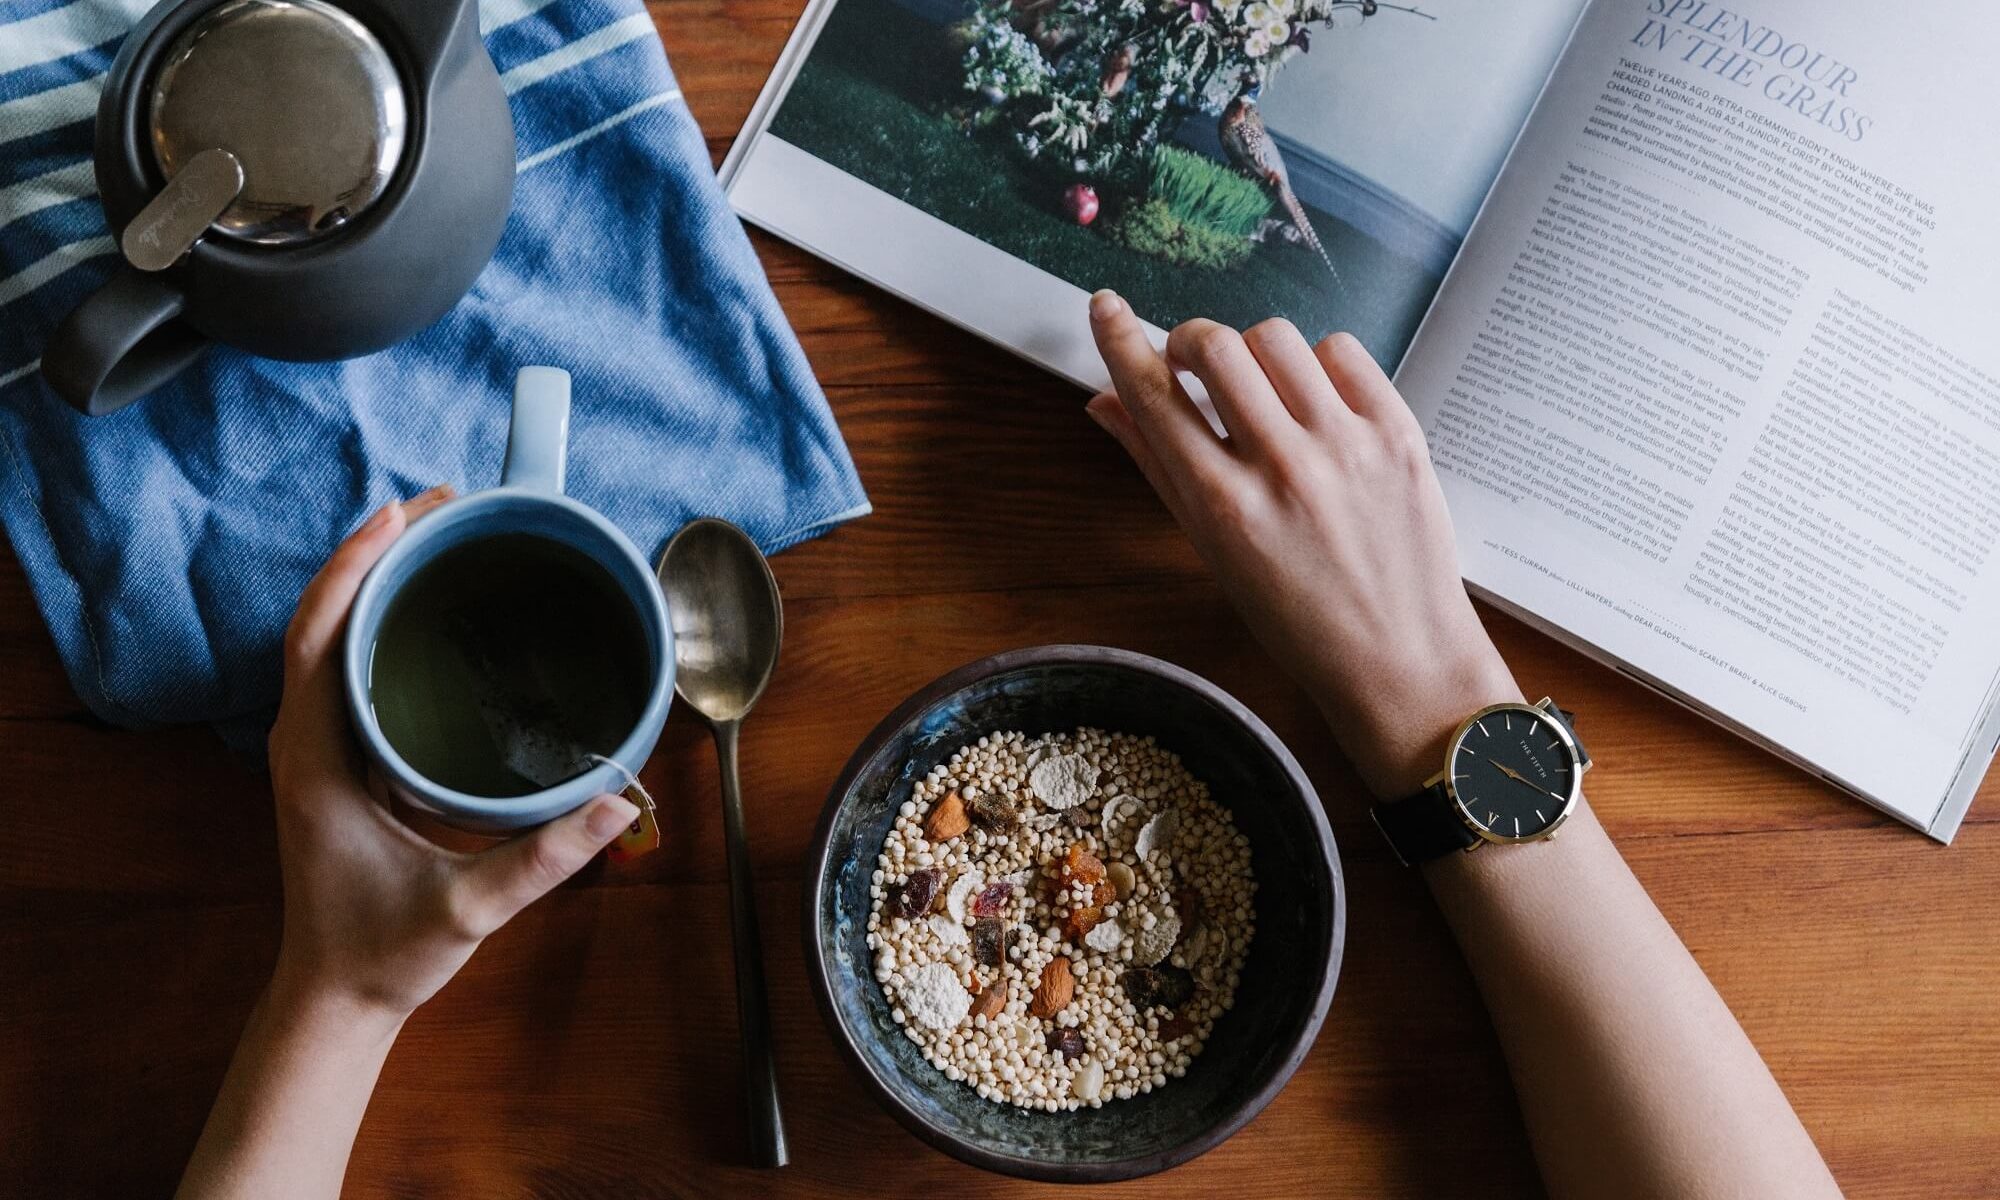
1517	777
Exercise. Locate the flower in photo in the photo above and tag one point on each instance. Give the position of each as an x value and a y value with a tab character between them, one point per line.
1258	15
1278	32
1257	45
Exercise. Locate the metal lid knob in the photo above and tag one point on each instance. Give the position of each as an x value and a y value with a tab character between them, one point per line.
305	98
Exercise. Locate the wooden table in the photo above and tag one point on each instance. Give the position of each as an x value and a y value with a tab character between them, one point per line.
589	1049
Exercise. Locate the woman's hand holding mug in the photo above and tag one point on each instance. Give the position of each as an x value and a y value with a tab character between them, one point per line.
377	917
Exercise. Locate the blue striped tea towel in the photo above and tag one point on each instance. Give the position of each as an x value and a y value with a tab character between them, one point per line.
167	544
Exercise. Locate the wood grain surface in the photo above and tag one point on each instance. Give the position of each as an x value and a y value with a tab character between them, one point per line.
589	1049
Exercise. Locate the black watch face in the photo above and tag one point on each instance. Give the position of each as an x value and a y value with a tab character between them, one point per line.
1513	773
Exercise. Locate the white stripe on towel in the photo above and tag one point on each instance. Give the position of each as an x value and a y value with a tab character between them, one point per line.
579	138
497	14
21	372
61	32
43	111
582	50
39	272
43	191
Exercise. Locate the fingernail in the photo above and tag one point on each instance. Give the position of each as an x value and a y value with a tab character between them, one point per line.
418	505
376	522
611	814
1105	305
1097	414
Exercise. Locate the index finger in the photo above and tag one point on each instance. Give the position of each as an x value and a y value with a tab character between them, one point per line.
311	718
1146	386
323	606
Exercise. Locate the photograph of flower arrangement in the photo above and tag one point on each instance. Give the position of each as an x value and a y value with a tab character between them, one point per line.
1114	143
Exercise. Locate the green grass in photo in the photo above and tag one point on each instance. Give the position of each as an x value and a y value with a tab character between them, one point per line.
1153	228
1199	191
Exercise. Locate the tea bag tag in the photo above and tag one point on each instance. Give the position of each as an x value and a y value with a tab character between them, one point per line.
642	836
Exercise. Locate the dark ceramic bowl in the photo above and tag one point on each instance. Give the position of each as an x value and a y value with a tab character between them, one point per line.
1286	983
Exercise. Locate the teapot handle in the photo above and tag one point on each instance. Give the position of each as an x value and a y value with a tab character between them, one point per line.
122	342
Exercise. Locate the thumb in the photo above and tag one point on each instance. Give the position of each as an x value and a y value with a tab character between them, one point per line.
509	877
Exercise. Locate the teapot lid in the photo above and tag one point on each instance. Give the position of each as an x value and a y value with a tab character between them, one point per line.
303	95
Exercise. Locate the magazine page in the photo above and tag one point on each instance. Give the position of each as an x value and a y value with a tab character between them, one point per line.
996	160
1714	386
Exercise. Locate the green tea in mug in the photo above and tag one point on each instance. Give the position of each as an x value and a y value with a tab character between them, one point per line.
505	663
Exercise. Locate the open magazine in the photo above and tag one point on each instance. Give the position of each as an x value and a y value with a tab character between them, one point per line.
1696	303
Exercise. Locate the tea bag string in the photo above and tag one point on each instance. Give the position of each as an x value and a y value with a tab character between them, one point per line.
634	790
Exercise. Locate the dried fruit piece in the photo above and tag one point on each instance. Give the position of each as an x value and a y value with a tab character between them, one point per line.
935	997
989	941
1174	1028
992	899
1081	866
1142	986
1063	781
947	819
1176	985
1067	1042
1165	986
919	892
1082	921
1121	879
991	1002
992	813
1057	986
1105	892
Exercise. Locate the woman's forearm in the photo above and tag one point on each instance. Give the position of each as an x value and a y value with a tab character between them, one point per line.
285	1120
1634	1078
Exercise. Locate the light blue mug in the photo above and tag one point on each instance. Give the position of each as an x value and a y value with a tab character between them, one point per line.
529	500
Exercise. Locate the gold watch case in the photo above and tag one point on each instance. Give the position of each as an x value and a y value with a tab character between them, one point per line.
1545	708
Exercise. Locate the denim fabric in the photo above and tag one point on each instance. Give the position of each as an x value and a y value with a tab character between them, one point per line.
167	544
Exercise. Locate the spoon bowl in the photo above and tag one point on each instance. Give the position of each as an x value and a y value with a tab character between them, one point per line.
727	620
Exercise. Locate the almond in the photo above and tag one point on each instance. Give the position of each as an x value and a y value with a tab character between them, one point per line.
947	819
1053	993
991	1001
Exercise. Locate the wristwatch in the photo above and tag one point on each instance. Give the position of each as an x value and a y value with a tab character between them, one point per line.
1512	773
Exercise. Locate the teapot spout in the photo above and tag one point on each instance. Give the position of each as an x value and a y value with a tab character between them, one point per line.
434	32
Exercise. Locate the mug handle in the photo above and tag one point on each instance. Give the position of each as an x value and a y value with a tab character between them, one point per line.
538	435
123	341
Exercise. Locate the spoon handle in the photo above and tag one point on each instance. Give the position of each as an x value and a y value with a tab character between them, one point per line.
753	1009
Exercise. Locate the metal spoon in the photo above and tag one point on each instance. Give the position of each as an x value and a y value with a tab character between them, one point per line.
727	620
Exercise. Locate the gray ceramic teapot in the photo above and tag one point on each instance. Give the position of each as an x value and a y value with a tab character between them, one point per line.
299	179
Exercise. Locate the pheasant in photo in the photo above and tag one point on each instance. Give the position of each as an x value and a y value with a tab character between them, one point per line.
1252	151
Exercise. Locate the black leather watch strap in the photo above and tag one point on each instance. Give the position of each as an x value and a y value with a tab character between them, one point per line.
1423	827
